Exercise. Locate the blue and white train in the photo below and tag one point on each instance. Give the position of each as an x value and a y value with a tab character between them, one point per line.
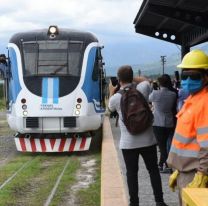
54	89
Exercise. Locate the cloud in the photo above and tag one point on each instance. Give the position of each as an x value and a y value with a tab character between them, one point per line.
99	15
110	20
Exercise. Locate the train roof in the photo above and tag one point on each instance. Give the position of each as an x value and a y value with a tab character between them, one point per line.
184	22
64	34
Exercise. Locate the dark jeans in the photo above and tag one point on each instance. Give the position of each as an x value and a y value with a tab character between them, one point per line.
131	158
164	137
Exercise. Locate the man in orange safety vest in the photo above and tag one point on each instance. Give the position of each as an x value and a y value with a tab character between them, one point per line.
189	150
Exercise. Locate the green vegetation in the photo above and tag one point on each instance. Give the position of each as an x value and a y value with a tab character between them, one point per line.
91	195
4	127
67	180
34	183
2	102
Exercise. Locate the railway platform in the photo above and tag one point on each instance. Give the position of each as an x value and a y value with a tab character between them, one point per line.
113	181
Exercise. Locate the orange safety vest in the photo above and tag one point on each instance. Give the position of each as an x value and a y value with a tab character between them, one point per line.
189	149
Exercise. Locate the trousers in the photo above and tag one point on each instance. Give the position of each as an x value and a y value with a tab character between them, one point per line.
131	159
164	137
183	179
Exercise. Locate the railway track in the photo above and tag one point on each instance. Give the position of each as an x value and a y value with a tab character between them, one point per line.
50	197
43	179
9	179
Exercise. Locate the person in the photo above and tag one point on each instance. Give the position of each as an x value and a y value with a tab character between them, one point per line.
3	59
189	150
163	101
4	72
133	146
174	108
155	85
182	96
143	85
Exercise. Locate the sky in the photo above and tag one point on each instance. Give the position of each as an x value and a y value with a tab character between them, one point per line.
110	20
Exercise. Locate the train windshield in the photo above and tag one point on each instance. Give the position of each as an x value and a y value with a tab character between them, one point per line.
48	58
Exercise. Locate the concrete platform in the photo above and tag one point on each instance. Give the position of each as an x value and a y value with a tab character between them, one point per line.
145	190
112	185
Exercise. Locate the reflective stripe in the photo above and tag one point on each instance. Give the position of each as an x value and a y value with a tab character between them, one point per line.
203	130
203	143
185	140
44	90
183	153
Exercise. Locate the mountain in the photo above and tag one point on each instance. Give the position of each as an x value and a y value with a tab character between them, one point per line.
146	57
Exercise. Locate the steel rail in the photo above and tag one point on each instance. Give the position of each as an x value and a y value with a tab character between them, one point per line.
53	191
15	174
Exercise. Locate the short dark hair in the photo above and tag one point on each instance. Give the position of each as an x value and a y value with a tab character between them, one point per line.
125	74
165	81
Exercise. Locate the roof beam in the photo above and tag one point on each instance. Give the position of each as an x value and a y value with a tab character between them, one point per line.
195	37
191	17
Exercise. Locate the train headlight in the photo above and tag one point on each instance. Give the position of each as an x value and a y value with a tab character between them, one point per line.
53	30
78	106
24	106
77	112
25	113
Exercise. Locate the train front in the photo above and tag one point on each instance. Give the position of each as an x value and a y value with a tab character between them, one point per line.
55	89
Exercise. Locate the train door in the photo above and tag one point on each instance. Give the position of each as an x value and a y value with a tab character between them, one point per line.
5	75
99	75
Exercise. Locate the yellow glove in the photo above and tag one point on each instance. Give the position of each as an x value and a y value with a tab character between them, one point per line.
200	181
173	180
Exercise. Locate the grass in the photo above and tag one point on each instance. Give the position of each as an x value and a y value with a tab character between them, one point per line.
66	182
91	195
2	104
12	167
34	184
4	127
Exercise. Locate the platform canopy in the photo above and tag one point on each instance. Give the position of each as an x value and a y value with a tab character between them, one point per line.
183	22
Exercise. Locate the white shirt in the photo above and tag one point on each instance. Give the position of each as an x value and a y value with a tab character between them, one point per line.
128	141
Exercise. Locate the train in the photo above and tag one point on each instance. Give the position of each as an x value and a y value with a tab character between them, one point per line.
54	89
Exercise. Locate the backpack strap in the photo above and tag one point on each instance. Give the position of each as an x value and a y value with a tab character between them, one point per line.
132	85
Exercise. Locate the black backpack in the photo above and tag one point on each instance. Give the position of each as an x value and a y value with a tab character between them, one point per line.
136	113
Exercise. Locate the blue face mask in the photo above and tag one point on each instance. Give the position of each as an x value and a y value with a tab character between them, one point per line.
191	86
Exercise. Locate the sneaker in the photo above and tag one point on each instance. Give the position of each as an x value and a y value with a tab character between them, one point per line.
161	204
167	170
160	168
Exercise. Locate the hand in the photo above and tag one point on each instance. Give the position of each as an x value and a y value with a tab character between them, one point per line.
200	181
173	180
112	89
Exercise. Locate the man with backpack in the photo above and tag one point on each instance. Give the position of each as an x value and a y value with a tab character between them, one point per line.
135	141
